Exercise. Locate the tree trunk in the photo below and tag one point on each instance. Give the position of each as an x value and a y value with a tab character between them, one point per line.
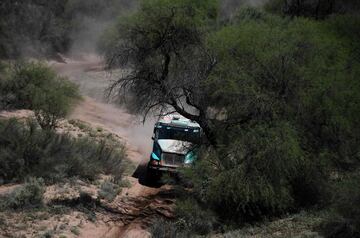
200	119
209	133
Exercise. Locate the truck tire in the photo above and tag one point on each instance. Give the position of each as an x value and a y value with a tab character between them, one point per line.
152	176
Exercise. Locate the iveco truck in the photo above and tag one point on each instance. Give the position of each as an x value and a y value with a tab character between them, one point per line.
175	141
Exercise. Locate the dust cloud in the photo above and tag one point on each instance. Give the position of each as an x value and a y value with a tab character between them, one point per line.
85	69
91	26
89	74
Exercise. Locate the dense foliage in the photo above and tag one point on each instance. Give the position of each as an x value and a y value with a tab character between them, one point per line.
27	151
278	98
318	9
345	221
163	45
288	85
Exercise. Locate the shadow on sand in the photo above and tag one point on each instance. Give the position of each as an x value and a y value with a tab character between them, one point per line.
143	178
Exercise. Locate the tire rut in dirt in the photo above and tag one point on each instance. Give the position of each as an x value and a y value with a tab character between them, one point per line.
143	210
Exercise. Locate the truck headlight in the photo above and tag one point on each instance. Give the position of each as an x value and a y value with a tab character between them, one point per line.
189	158
154	156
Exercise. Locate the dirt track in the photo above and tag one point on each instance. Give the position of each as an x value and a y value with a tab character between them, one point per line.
138	205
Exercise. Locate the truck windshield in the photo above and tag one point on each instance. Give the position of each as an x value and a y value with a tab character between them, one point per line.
176	133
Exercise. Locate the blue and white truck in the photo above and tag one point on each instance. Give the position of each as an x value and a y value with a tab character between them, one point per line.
175	141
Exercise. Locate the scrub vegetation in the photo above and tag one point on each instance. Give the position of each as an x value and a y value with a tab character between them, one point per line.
36	87
50	166
276	90
34	147
28	196
28	151
274	84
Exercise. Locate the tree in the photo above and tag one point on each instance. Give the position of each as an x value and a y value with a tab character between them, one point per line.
51	103
163	44
36	87
272	94
284	88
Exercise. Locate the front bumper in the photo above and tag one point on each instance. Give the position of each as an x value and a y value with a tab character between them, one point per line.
162	168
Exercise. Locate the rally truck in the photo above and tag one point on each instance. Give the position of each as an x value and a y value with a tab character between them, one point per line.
175	141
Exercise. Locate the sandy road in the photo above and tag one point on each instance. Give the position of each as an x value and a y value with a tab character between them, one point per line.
94	109
140	203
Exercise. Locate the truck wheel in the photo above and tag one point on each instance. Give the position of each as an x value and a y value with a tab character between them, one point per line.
152	175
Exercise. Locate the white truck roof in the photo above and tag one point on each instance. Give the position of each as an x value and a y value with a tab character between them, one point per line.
178	120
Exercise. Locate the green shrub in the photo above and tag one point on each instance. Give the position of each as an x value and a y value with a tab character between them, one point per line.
193	218
26	150
301	225
263	173
75	230
4	76
311	8
254	178
124	183
81	125
164	229
275	6
36	87
108	190
248	14
310	185
29	195
345	222
289	101
48	234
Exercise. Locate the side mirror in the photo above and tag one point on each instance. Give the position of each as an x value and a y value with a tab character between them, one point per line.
153	138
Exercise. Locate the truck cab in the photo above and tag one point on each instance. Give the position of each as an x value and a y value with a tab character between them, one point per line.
175	141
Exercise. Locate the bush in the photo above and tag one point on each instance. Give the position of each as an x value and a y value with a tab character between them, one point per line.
26	150
164	229
345	222
29	195
248	14
36	87
255	176
301	225
287	119
310	8
275	6
310	187
193	218
108	190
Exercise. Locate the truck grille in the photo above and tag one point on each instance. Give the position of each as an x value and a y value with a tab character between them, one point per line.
172	159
